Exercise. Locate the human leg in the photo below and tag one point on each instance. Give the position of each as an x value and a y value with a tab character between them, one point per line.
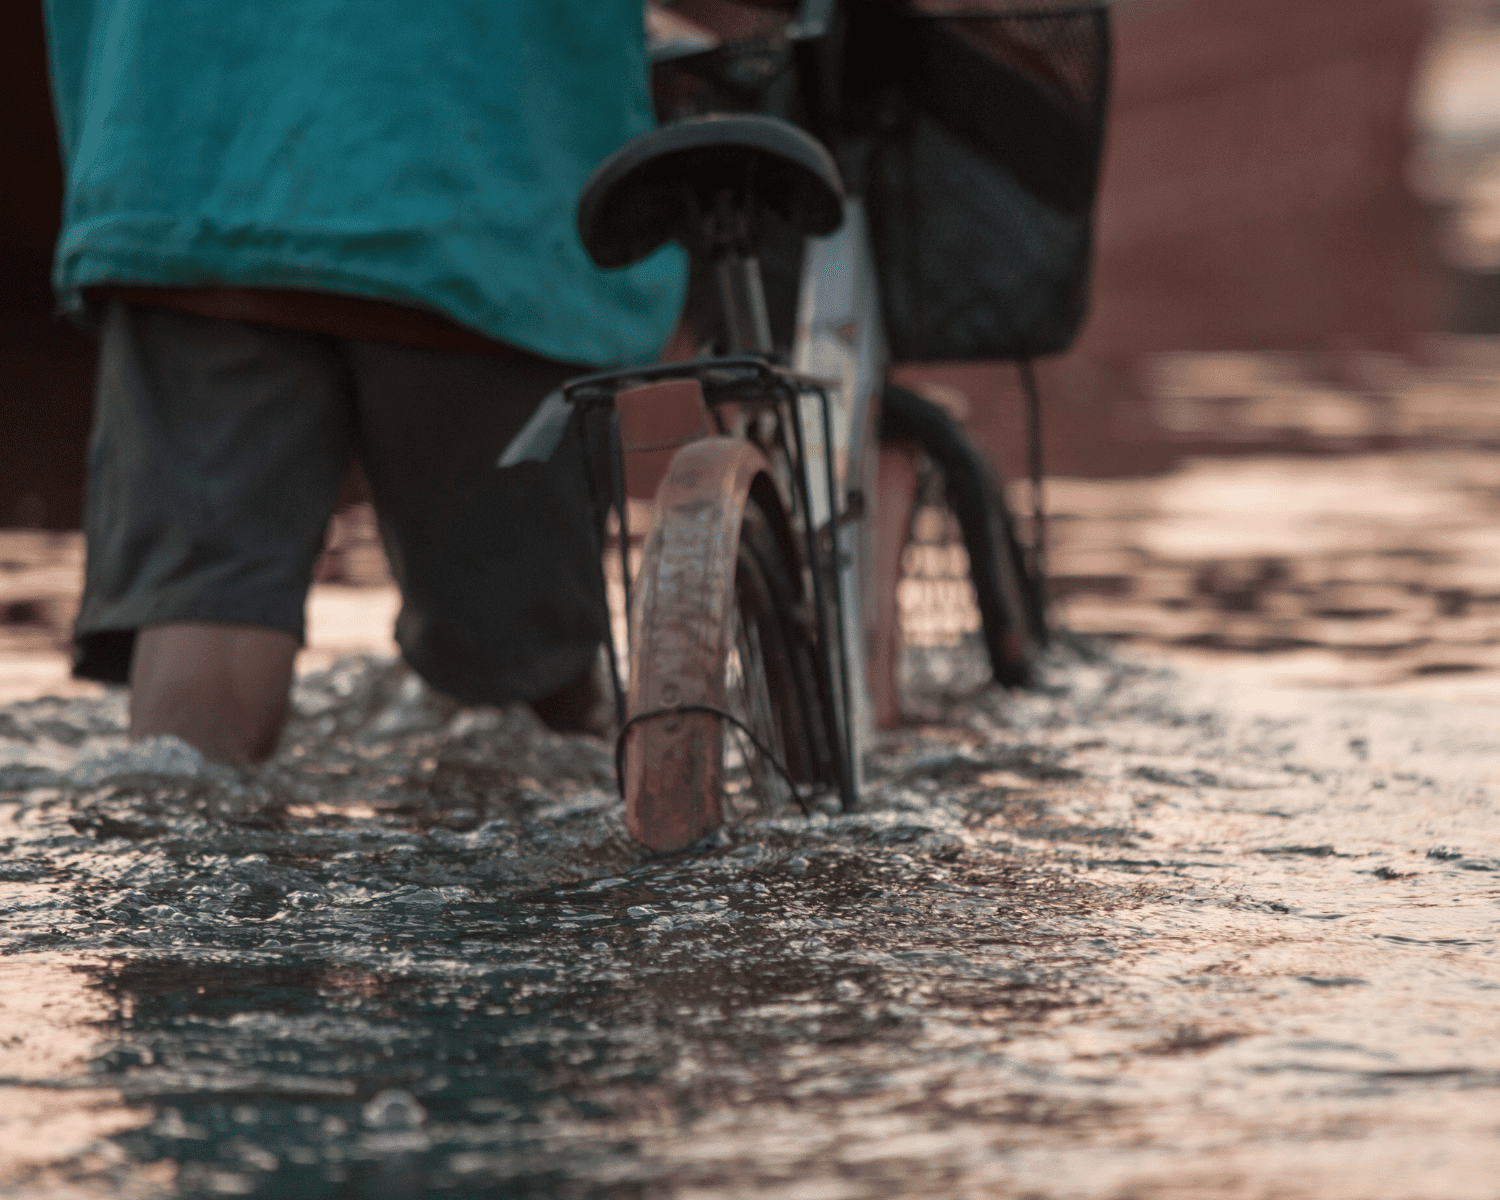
216	456
502	593
221	688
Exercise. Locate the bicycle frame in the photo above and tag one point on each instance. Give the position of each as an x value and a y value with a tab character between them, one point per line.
838	336
824	406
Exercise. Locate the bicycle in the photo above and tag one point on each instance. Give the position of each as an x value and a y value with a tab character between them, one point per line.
749	617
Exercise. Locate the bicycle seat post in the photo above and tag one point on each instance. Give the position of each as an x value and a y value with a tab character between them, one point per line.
742	296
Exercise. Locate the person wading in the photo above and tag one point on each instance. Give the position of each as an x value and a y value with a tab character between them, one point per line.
322	230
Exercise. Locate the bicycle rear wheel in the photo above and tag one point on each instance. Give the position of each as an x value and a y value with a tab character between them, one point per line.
1015	626
724	693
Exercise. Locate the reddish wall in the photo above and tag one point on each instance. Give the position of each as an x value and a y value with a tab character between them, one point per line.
1254	189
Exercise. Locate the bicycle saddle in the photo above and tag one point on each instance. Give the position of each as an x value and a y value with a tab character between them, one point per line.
660	187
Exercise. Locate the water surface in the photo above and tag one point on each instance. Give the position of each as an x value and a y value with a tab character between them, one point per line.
1134	936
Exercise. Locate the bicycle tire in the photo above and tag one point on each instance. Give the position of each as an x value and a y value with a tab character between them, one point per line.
717	625
1014	623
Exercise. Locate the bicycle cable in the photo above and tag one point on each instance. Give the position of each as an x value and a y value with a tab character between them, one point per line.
711	710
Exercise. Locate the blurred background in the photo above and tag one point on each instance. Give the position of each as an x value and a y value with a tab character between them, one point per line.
1277	435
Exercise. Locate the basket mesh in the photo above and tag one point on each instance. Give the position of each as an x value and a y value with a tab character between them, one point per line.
979	135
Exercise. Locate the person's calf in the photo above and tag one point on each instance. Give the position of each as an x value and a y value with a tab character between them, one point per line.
221	688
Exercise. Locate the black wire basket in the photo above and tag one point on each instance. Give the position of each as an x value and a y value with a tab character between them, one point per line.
976	135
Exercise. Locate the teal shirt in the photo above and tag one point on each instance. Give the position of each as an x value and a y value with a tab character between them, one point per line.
428	154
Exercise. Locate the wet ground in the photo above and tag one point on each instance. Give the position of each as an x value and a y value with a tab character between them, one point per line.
1213	913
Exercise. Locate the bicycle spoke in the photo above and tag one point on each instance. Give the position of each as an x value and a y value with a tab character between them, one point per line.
751	783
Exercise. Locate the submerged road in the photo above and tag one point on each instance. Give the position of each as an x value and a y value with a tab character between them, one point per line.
1143	935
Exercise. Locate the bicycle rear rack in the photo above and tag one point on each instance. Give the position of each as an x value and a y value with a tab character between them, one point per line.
751	382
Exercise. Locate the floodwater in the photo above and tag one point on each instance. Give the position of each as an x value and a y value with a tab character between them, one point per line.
1214	912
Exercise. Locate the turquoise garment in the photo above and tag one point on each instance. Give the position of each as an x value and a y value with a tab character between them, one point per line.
428	154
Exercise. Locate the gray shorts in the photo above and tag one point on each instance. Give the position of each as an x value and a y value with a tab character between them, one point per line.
217	454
